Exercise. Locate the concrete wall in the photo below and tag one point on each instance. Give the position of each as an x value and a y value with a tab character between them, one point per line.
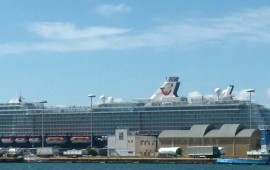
121	139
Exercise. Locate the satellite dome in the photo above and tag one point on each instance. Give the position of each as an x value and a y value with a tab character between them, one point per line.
218	91
102	98
110	99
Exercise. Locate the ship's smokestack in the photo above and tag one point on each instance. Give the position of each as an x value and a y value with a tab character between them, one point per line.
168	89
229	90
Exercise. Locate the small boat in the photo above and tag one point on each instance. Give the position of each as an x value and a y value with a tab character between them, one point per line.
30	158
246	161
21	140
55	140
34	140
7	140
80	139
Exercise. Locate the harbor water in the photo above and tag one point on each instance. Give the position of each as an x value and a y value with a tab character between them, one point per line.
102	166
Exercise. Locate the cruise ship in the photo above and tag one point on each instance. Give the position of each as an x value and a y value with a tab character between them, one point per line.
29	124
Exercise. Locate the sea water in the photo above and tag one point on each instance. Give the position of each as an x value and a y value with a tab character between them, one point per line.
112	166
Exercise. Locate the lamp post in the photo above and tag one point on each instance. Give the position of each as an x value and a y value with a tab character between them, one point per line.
42	124
250	91
91	96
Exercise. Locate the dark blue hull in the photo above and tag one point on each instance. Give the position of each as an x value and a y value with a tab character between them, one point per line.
243	161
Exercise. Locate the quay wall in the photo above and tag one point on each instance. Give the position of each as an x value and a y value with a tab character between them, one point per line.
129	160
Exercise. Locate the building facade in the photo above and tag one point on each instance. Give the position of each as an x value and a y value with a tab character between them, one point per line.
124	143
233	137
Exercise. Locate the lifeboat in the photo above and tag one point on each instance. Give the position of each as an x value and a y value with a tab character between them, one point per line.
55	140
21	140
7	140
34	140
80	139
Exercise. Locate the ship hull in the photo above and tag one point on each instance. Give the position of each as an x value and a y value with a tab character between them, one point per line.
243	161
165	110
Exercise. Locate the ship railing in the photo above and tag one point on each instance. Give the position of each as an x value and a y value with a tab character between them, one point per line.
142	100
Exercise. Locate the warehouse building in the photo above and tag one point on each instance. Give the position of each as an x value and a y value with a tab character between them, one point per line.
234	137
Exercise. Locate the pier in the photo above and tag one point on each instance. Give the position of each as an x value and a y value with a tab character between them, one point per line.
128	160
11	160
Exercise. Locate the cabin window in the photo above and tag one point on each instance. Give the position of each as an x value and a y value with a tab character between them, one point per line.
121	136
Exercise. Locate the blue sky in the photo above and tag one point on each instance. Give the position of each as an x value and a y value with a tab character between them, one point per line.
63	50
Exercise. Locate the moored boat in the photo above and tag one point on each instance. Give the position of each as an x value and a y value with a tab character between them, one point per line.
55	140
30	158
80	139
164	110
247	161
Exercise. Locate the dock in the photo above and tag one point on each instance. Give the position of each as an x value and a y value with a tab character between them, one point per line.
11	160
149	160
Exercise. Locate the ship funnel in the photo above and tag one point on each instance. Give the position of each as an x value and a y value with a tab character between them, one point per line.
18	99
229	90
168	89
227	94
